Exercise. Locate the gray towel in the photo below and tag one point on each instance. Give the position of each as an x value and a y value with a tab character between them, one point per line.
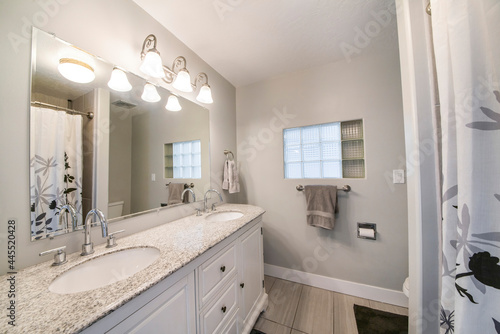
174	193
321	205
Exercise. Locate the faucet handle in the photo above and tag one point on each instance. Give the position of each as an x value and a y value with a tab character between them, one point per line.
59	256
198	212
111	239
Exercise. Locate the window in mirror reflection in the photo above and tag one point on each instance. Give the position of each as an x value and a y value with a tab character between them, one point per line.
183	160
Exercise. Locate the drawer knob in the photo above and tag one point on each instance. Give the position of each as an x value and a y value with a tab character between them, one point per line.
223	309
242	285
223	268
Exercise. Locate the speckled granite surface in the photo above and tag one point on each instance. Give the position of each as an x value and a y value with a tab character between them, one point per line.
40	311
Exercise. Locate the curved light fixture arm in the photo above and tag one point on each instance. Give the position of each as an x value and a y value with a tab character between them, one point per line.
200	78
148	45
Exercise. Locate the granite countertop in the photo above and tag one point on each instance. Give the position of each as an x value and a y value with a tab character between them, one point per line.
40	311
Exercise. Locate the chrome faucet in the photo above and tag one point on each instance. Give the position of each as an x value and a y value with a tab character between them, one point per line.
71	210
88	246
205	199
191	191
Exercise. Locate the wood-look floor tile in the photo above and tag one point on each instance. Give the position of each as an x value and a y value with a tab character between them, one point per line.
315	311
294	331
389	308
343	310
283	300
270	327
302	307
268	282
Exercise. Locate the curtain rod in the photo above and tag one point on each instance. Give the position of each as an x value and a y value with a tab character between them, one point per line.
90	115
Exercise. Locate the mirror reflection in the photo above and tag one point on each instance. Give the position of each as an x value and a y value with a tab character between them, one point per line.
81	132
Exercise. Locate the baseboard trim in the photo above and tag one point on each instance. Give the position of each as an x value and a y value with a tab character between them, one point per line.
383	295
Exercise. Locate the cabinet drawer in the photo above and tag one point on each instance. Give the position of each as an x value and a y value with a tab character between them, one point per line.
232	325
214	317
215	272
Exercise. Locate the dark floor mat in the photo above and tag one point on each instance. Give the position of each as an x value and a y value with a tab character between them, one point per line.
254	331
371	321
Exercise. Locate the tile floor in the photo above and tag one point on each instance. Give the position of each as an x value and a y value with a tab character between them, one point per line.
301	309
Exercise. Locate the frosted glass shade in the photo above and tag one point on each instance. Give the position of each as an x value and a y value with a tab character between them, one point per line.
76	70
119	81
152	65
150	94
173	103
183	81
205	95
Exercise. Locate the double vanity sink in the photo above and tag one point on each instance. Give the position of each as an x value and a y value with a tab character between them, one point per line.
116	266
73	296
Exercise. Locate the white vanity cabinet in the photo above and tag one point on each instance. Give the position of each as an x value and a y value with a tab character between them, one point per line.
221	291
226	289
251	272
170	312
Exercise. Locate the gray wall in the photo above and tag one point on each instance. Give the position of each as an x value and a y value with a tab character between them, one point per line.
114	30
150	132
369	88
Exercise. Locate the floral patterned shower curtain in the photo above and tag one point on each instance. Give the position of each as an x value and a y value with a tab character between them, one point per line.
55	168
466	37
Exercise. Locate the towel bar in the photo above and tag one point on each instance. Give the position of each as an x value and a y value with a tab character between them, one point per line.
345	188
191	185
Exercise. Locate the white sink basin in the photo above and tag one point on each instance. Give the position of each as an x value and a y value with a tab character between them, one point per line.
104	270
223	216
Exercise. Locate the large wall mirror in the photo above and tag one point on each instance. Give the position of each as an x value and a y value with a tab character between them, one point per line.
92	146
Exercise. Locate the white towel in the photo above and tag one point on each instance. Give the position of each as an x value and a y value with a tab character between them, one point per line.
234	180
225	181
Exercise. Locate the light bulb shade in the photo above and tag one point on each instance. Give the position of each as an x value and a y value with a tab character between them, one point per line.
183	81
76	70
173	103
152	65
119	81
205	94
150	94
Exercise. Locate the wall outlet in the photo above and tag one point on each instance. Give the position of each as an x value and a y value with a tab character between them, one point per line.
153	177
398	176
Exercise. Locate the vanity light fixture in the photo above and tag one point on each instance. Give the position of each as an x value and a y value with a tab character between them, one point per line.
150	94
151	60
182	81
205	94
178	75
76	70
119	81
173	103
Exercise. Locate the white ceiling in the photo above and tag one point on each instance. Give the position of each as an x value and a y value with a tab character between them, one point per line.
247	41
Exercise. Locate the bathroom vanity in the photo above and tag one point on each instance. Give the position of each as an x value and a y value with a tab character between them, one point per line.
207	279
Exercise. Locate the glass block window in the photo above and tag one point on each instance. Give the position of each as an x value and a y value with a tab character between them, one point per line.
183	160
330	150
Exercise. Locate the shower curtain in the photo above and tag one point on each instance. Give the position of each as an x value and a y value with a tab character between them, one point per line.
55	168
467	50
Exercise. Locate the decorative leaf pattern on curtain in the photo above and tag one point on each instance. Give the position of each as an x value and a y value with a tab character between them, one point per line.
55	168
465	37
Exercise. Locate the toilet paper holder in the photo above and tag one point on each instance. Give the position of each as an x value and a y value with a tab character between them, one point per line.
367	226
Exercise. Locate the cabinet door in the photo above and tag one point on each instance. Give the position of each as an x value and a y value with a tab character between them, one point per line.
173	311
252	269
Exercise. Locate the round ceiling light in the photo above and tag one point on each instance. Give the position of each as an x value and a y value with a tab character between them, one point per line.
76	70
